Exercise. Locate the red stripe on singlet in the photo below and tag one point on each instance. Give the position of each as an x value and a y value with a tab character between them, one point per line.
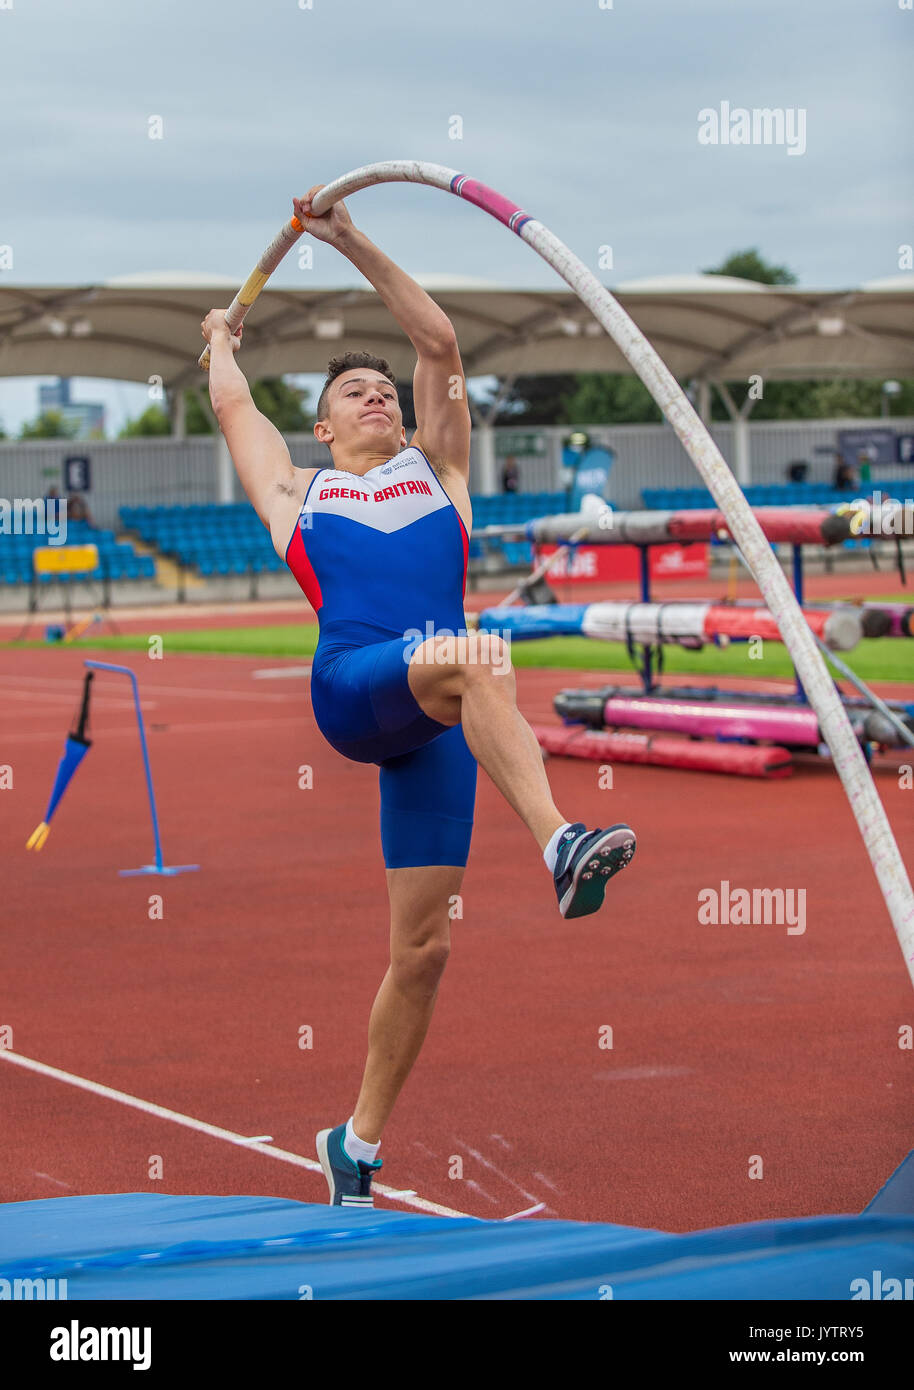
300	565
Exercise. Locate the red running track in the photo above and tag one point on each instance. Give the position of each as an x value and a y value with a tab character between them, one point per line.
728	1041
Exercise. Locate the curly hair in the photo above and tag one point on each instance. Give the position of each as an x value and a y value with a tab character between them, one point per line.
345	363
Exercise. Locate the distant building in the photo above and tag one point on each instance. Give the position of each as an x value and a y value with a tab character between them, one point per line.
88	416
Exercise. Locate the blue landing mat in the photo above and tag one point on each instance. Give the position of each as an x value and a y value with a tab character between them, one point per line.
145	1246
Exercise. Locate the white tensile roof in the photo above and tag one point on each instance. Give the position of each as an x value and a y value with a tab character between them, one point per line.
704	326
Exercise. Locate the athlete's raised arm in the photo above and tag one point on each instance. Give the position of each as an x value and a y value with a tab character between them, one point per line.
258	450
439	386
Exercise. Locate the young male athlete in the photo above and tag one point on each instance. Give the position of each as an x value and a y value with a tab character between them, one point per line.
378	543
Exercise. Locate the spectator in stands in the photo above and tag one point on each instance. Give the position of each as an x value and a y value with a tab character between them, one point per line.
77	509
843	477
510	477
52	501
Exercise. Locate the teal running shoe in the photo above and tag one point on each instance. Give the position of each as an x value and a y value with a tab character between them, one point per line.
587	860
349	1179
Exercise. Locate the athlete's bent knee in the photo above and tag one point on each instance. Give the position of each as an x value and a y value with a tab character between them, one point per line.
419	968
487	655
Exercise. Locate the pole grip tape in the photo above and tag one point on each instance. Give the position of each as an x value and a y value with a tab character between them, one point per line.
283	242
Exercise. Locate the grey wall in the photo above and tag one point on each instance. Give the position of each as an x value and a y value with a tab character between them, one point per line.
156	472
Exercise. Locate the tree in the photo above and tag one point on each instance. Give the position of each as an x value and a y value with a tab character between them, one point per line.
282	404
536	400
608	398
748	265
152	421
273	396
50	424
155	420
196	418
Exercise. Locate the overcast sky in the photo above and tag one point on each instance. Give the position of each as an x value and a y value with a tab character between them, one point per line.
586	116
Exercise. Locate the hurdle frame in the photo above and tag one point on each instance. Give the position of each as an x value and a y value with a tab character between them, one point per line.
159	867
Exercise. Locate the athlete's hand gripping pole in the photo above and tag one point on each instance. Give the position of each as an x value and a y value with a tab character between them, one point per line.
395	171
277	249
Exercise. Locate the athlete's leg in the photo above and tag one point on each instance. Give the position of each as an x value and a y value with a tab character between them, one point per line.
420	899
469	679
427	802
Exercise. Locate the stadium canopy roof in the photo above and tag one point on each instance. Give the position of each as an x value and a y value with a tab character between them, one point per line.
705	327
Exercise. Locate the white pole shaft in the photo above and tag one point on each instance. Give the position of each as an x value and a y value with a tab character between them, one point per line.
745	529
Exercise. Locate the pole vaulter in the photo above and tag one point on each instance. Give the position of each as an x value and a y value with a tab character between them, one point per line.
846	752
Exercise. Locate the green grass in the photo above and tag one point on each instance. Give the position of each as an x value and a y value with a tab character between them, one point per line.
874	659
285	640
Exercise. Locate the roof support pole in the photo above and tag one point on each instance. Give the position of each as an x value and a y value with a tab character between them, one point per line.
225	470
742	449
483	419
178	414
485	458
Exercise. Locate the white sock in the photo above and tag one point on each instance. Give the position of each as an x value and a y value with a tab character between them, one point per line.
356	1147
551	852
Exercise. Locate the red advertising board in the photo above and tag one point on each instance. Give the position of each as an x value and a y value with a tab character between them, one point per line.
586	564
679	561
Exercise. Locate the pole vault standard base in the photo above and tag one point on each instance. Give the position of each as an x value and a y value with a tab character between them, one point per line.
158	867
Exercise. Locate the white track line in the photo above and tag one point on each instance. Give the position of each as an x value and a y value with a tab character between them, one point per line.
541	1177
129	730
250	696
56	1181
280	673
531	1211
487	1163
67	685
218	725
214	1131
70	682
65	697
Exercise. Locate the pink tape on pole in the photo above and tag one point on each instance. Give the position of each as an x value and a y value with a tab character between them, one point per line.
486	198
